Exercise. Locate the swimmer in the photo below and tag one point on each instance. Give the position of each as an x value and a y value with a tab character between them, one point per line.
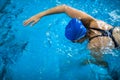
82	26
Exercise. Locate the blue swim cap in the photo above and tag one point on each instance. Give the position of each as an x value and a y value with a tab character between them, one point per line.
75	30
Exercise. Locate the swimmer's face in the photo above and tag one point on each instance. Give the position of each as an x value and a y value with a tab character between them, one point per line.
74	41
79	40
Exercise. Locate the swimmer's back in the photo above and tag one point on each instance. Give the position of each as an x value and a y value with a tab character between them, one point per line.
99	42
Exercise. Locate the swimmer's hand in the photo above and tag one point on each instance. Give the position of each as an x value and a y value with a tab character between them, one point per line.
33	20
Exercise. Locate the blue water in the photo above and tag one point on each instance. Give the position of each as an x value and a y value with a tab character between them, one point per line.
42	52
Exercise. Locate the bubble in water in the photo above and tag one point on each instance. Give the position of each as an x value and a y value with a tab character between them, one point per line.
47	33
69	55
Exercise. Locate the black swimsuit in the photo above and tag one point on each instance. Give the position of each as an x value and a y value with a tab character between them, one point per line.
106	33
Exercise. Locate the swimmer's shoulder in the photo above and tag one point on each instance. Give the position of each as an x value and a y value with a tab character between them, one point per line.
100	24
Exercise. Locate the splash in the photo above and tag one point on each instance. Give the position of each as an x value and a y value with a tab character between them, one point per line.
115	15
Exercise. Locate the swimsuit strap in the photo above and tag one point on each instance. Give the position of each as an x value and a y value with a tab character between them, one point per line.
95	37
112	37
105	33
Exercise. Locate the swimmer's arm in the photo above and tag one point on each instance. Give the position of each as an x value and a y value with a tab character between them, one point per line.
72	12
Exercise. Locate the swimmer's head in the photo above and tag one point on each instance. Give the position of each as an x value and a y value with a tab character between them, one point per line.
75	30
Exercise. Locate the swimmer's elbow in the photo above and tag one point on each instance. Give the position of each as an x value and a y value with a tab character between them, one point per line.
64	7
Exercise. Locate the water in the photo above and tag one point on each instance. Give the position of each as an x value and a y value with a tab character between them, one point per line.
42	52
